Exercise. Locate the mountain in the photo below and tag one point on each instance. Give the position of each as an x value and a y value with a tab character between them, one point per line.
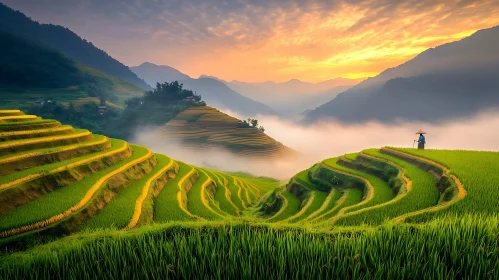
294	96
213	91
152	73
67	42
454	80
30	71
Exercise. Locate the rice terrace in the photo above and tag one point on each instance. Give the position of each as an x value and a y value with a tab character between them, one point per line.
209	159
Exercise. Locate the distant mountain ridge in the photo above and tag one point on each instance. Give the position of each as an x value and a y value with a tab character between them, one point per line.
214	92
64	40
287	98
294	96
454	80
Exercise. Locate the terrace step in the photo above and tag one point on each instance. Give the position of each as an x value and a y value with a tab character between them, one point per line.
171	202
27	134
77	203
125	208
290	207
29	125
25	160
24	186
24	145
7	113
235	192
19	118
420	193
377	191
460	191
222	195
348	198
328	204
198	198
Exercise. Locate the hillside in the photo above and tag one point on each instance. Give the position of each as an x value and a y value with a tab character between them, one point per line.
202	128
455	80
213	91
58	181
31	72
67	42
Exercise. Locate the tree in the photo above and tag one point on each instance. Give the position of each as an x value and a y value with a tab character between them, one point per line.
262	128
254	122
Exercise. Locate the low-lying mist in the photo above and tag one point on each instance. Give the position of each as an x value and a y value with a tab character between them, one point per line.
332	138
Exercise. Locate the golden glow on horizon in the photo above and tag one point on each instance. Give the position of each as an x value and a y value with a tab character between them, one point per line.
349	41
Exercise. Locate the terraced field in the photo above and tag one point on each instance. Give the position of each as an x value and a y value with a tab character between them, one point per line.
204	127
58	179
117	197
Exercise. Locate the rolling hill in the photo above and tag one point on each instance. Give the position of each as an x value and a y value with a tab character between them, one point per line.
201	128
213	91
455	80
121	203
67	42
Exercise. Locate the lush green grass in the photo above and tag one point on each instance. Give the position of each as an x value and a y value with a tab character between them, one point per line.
31	125
220	197
119	211
58	130
233	191
115	145
263	184
58	201
302	177
292	207
477	171
466	248
351	156
333	196
350	197
382	192
318	200
166	205
97	138
244	193
251	194
195	203
423	194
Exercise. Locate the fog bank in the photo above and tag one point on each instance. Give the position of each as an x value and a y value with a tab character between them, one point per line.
332	138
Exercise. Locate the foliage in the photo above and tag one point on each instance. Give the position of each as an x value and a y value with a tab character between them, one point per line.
250	123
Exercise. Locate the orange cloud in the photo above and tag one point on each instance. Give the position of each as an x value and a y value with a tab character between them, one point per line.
349	41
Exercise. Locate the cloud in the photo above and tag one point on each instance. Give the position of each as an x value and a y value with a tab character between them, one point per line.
259	40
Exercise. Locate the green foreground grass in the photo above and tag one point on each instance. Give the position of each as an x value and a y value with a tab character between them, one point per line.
450	248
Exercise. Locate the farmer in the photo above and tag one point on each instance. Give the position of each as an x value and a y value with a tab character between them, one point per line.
422	140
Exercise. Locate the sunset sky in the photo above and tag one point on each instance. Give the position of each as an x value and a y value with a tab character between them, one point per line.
259	40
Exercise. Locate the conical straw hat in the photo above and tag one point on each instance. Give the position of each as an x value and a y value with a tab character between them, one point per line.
420	132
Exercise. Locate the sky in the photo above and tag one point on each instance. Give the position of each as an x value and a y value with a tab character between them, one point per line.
259	40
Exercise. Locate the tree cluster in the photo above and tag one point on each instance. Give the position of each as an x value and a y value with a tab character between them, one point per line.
250	123
167	94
